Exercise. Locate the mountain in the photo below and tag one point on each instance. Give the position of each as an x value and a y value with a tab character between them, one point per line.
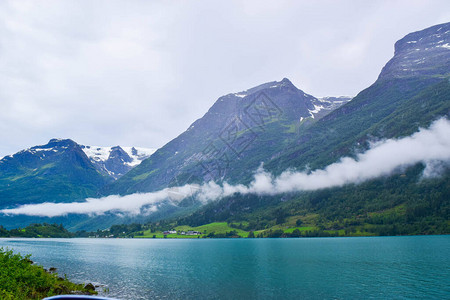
418	70
281	126
284	128
63	171
116	161
56	172
423	53
412	91
230	141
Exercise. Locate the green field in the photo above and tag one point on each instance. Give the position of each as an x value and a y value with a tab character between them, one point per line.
220	229
217	228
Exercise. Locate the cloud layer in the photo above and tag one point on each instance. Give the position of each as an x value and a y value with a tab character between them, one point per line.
429	146
119	73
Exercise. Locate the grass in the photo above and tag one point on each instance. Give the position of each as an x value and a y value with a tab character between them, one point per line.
216	227
310	225
302	228
144	175
21	279
223	227
397	210
292	128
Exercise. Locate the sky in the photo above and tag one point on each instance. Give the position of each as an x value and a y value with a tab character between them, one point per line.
138	73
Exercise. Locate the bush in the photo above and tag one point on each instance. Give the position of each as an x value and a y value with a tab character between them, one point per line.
20	279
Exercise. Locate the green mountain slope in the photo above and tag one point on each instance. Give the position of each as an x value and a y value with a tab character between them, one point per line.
57	172
400	204
404	203
387	109
412	91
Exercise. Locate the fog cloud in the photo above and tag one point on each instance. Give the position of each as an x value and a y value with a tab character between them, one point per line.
130	204
428	146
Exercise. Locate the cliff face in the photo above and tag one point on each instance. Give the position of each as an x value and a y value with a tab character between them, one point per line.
421	53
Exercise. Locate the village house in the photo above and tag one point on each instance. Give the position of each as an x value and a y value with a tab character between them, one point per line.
191	232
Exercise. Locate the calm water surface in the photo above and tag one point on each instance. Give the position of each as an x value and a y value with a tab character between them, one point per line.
317	268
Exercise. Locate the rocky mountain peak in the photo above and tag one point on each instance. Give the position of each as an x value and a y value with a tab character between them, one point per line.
421	53
118	153
56	142
284	83
432	38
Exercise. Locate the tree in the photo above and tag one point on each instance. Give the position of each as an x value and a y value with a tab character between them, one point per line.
276	233
296	233
280	216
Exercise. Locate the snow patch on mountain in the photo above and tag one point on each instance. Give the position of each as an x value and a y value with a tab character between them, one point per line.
102	154
138	154
240	95
325	105
446	45
316	110
97	153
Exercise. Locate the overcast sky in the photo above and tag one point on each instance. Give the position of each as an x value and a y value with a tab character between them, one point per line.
138	73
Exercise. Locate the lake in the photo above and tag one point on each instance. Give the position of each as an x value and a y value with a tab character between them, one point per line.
414	267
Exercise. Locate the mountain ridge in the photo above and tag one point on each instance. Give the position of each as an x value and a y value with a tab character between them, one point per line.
231	130
423	53
396	105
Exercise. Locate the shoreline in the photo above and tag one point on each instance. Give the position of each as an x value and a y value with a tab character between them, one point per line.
22	278
216	238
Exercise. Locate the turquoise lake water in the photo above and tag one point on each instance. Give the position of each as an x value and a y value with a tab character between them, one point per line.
415	267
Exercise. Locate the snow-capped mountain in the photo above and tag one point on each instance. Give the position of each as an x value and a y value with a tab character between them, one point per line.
116	161
315	108
110	161
61	171
58	171
238	132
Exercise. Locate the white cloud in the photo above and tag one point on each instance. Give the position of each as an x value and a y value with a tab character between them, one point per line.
130	204
429	146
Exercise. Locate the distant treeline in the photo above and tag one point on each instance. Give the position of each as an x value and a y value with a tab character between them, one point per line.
38	231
